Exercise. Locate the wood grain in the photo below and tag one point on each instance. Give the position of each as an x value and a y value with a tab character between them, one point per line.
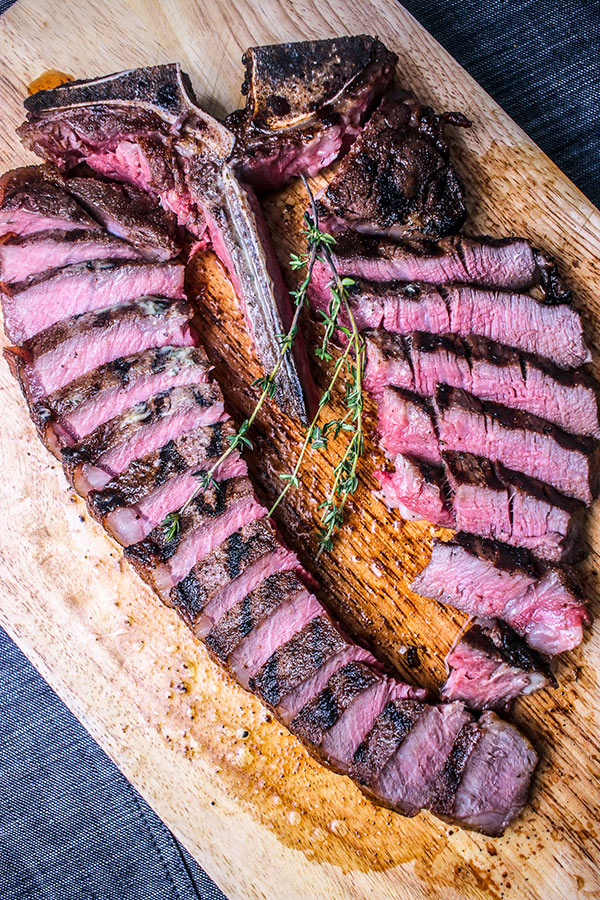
260	816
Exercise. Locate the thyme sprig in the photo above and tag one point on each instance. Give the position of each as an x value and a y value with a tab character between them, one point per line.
350	362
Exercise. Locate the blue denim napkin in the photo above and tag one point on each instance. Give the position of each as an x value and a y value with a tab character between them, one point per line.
71	826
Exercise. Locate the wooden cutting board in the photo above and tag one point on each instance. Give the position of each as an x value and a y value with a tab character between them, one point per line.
261	817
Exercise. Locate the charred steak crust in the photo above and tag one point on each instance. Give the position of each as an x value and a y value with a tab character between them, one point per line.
281	78
397	177
297	660
450	777
254	608
500	639
223	565
324	710
389	730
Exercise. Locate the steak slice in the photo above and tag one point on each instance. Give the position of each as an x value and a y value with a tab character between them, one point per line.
239	551
305	104
31	254
55	361
31	201
407	781
551	331
508	264
485	578
87	402
397	179
406	425
213	515
393	724
343	738
418	490
495	782
492	371
138	499
325	709
252	630
33	305
296	660
109	449
496	502
130	214
291	705
489	370
491	665
518	440
258	570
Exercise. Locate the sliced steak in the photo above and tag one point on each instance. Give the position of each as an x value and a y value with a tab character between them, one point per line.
305	104
211	518
216	572
485	578
129	214
178	153
394	722
324	710
252	630
408	779
256	572
397	179
552	331
22	256
132	504
31	201
56	360
296	660
496	778
492	371
394	306
418	490
341	741
406	425
489	370
87	402
33	305
508	264
518	440
491	665
108	450
495	502
291	705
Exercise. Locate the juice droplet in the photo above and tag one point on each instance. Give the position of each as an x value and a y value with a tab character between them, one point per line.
48	80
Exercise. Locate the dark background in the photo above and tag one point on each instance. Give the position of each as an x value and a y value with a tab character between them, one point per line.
71	827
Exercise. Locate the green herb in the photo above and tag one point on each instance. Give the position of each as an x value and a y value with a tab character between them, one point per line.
350	363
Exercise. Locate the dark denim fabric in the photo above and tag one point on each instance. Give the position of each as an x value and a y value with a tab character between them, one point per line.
71	827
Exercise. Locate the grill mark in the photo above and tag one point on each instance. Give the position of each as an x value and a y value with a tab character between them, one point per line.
449	779
215	447
323	711
297	660
226	635
389	731
247	619
120	367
